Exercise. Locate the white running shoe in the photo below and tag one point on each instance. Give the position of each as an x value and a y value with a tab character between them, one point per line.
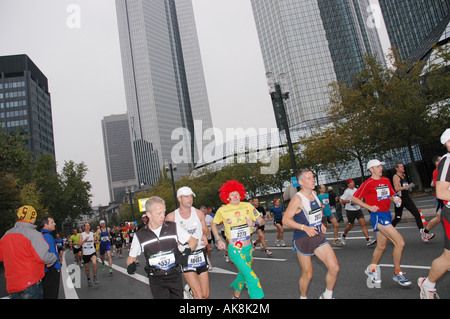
424	292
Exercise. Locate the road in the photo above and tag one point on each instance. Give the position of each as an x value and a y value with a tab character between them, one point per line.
279	273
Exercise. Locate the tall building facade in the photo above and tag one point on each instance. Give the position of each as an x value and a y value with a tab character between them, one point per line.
411	24
118	155
25	103
164	84
315	42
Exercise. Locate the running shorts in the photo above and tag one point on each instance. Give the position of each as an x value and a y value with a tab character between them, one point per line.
306	245
278	221
353	214
445	220
382	218
104	247
87	258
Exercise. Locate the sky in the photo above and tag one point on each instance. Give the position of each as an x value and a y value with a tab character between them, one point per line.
75	44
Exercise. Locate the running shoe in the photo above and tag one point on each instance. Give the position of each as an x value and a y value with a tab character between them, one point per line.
283	244
268	252
188	292
372	275
426	237
277	242
343	239
95	281
337	243
371	242
424	292
110	272
89	283
401	279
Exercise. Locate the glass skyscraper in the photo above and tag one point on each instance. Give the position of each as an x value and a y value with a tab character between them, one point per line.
164	84
25	103
315	42
410	23
118	155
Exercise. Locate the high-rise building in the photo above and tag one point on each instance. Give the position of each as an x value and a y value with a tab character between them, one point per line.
164	84
415	25
25	103
315	42
118	155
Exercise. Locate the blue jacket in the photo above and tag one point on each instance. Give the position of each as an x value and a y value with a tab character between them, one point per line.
52	249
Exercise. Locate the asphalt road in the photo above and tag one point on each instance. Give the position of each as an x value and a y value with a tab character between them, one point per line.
279	273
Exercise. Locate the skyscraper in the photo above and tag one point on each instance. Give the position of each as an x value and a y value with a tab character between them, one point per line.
164	84
412	23
118	155
25	103
315	42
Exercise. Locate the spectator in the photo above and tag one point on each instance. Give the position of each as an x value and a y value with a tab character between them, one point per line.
24	253
50	283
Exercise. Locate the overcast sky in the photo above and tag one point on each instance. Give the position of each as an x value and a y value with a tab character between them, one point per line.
81	59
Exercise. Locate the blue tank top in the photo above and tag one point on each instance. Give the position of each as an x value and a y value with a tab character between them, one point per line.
302	219
104	235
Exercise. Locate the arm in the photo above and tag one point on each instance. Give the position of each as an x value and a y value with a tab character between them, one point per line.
442	190
359	202
205	228
397	186
220	243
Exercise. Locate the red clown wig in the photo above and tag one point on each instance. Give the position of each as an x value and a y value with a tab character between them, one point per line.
229	187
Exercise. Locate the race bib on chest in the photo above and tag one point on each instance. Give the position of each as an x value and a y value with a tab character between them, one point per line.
315	217
383	192
163	260
240	233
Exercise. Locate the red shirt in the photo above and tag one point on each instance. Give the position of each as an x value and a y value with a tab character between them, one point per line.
376	192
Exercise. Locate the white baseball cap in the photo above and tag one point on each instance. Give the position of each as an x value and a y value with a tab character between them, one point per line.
102	222
445	136
185	191
373	163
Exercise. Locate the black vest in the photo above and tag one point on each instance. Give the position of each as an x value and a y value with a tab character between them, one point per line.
151	245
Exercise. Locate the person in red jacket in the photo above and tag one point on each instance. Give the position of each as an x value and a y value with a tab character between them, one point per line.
25	253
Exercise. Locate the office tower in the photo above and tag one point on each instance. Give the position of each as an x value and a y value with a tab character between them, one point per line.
118	155
25	103
415	25
164	84
315	42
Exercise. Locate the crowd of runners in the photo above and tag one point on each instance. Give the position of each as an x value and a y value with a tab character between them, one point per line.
177	244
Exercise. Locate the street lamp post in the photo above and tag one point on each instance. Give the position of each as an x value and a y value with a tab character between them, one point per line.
171	169
130	193
279	92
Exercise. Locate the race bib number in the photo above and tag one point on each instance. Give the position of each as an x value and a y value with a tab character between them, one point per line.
315	217
240	233
383	192
163	260
104	238
196	259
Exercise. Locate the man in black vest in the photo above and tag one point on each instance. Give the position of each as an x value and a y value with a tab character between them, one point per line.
159	240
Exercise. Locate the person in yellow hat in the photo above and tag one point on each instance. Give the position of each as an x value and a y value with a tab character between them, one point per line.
24	252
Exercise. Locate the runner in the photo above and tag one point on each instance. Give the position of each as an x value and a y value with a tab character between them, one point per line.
353	212
193	222
118	241
329	216
403	187
76	248
441	264
158	240
378	193
304	214
238	218
276	214
105	245
260	229
208	220
89	255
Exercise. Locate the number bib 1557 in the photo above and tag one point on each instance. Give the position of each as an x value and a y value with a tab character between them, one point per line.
163	260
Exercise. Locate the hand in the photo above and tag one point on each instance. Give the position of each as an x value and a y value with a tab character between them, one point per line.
184	257
250	222
373	209
221	245
131	269
310	231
